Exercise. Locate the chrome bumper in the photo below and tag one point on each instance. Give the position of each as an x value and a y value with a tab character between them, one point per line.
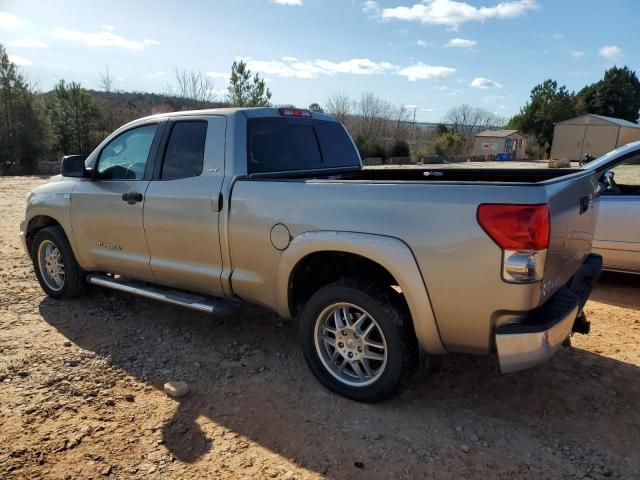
535	339
520	350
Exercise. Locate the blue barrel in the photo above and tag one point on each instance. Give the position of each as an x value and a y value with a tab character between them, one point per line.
503	156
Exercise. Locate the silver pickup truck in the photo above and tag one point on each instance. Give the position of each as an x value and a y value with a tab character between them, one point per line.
272	206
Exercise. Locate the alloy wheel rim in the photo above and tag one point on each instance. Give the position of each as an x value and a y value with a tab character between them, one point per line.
350	344
51	265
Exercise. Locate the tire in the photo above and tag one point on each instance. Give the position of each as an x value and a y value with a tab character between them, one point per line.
379	374
73	278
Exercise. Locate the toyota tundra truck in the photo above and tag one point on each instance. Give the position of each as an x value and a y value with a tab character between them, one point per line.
381	267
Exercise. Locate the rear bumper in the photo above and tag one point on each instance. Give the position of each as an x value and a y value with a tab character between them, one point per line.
534	339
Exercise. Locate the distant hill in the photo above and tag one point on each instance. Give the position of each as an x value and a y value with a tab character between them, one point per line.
144	103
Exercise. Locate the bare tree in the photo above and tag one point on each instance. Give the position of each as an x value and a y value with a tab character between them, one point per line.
106	80
466	121
373	115
401	125
194	87
340	106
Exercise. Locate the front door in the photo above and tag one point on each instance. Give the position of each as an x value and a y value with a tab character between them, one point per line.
182	205
106	211
617	235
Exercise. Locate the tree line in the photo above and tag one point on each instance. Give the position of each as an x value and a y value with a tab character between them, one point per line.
616	95
72	119
382	129
69	119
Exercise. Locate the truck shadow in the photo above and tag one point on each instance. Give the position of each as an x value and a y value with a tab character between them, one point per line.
618	289
247	375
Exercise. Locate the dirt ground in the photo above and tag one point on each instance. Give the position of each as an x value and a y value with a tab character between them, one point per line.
81	395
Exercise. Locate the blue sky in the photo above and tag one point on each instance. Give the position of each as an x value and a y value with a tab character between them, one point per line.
429	54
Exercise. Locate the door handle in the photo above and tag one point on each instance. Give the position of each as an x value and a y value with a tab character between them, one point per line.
132	197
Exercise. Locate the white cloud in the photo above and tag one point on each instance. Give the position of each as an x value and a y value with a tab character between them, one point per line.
576	53
158	74
610	52
422	43
356	66
310	69
280	68
422	71
371	7
102	39
461	43
20	61
10	21
28	43
558	36
109	28
288	2
427	109
411	107
454	13
292	67
484	83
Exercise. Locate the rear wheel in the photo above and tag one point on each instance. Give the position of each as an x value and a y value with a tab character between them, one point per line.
56	268
355	340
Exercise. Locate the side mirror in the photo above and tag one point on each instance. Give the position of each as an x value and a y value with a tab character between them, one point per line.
73	166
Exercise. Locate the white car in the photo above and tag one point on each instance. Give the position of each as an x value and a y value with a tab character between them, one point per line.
617	234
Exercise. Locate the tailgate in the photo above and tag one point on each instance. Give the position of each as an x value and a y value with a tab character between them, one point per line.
573	212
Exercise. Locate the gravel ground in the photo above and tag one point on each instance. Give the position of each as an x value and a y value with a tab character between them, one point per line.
81	395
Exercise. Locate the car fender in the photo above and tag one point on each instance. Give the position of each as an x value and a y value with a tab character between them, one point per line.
389	252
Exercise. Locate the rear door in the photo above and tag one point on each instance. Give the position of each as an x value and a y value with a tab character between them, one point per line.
107	227
182	205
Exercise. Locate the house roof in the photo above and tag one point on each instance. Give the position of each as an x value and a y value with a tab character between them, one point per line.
496	133
614	121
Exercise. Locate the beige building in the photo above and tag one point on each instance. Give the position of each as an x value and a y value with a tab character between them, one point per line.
594	134
492	142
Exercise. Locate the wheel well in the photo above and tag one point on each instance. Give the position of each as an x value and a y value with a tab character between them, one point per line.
322	268
36	224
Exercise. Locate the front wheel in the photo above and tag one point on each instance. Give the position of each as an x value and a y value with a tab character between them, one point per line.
56	268
355	340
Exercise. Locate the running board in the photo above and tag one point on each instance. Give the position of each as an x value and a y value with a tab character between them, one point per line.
217	306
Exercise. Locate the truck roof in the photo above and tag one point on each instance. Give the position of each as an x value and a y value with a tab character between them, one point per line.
249	112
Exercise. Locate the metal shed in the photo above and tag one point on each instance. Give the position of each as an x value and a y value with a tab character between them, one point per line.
492	142
594	134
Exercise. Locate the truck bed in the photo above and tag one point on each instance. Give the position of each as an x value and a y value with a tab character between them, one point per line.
506	175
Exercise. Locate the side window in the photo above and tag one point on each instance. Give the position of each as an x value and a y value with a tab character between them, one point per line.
626	177
184	155
125	157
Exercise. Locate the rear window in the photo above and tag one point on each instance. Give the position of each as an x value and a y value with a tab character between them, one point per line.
285	144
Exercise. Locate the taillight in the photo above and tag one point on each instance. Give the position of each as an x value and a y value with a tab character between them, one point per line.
522	232
294	112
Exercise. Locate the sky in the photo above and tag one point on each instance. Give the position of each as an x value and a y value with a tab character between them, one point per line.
429	55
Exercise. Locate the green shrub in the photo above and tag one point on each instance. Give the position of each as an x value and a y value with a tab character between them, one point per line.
400	148
448	145
370	149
